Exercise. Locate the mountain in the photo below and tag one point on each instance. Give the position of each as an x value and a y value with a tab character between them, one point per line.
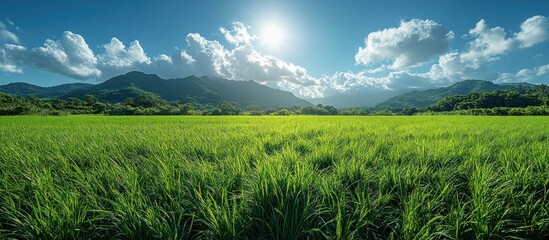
27	90
521	96
427	97
204	90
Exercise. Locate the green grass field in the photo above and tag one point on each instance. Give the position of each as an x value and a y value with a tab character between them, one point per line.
441	177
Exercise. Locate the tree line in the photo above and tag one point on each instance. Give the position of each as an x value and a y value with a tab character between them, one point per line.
145	104
520	100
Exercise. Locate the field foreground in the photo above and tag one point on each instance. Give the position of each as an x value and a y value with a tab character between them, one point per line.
442	177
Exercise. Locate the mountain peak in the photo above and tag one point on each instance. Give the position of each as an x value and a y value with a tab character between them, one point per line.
19	84
140	74
473	82
27	89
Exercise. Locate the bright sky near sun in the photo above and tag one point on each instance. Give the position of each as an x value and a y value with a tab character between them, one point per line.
312	48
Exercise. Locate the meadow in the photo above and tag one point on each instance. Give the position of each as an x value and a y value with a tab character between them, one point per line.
274	177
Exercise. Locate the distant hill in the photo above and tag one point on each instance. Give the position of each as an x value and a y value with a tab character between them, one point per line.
204	90
427	97
521	96
27	90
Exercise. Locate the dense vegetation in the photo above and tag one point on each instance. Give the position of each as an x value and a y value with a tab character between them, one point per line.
421	177
511	98
518	100
423	98
145	104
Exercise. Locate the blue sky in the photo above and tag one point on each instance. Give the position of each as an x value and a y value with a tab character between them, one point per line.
312	48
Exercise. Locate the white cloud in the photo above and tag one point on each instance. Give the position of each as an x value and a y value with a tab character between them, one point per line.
209	55
528	74
345	81
238	35
524	75
506	78
533	31
542	70
413	43
173	66
69	56
406	80
116	54
449	66
188	58
5	34
490	43
117	59
342	82
310	91
6	65
487	45
247	63
453	67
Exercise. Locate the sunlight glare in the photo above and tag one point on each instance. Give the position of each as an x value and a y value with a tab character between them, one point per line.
273	35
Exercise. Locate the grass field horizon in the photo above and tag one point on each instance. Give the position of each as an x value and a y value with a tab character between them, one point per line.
274	177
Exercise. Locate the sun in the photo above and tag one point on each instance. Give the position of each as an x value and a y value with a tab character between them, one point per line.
273	35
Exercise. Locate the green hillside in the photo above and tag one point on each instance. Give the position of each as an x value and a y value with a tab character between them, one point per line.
427	97
203	90
28	90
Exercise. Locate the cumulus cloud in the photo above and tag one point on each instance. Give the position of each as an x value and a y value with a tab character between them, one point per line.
533	31
505	78
345	81
243	62
69	56
6	35
524	75
247	63
209	55
453	67
488	45
238	35
361	81
309	91
542	70
6	64
117	55
413	43
118	58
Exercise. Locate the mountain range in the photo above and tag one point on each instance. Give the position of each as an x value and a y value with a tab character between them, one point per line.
28	90
203	90
422	98
213	90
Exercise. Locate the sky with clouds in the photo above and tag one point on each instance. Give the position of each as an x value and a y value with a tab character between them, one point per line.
310	48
